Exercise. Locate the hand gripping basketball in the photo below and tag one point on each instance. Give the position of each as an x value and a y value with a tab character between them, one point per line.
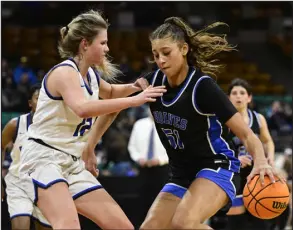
268	201
263	168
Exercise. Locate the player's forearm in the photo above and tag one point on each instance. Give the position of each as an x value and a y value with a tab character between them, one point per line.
269	148
254	147
122	90
102	107
101	125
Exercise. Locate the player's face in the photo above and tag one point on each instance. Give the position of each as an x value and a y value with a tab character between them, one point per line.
97	51
239	97
168	56
34	100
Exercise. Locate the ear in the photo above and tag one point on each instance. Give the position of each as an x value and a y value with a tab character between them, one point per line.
84	44
184	49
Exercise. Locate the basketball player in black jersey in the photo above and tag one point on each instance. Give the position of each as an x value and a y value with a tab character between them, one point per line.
240	95
192	119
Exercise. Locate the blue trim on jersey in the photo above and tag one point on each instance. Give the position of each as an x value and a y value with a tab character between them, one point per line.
86	85
221	177
219	145
71	59
16	131
174	189
20	214
88	78
167	104
238	201
154	78
44	186
97	76
194	97
28	120
45	81
41	223
74	197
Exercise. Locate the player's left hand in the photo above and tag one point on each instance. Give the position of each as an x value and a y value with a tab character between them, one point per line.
263	168
141	84
90	160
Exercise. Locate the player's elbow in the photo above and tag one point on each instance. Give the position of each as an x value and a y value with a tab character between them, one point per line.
81	111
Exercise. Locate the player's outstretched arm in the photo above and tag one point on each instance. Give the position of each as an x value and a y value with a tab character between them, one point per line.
108	91
65	82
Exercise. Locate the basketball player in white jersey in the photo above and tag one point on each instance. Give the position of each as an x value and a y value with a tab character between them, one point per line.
51	166
20	207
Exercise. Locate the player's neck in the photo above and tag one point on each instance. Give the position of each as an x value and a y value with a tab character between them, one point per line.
244	114
178	78
82	66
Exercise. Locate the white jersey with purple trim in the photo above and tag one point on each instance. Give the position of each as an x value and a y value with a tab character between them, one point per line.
23	122
56	124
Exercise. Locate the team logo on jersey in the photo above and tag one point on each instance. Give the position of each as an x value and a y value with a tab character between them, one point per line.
31	171
170	119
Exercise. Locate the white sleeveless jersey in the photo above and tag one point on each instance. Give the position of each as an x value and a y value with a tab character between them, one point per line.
56	124
23	123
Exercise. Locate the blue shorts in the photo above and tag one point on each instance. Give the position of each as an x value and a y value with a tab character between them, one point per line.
227	180
238	201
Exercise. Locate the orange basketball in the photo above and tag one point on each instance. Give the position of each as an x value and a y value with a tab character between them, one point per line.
266	202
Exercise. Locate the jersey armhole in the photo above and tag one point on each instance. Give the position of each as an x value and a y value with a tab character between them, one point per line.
195	106
16	131
257	118
45	81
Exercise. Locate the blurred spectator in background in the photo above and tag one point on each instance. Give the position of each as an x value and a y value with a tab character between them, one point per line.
13	100
126	69
118	162
23	74
284	165
6	71
40	75
278	120
288	113
147	151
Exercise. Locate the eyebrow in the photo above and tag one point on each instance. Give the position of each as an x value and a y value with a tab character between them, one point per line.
163	48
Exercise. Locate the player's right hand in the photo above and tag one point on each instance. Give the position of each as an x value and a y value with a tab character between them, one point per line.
149	95
90	160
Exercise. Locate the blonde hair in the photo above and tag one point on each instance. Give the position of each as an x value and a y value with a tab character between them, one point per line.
203	46
86	26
